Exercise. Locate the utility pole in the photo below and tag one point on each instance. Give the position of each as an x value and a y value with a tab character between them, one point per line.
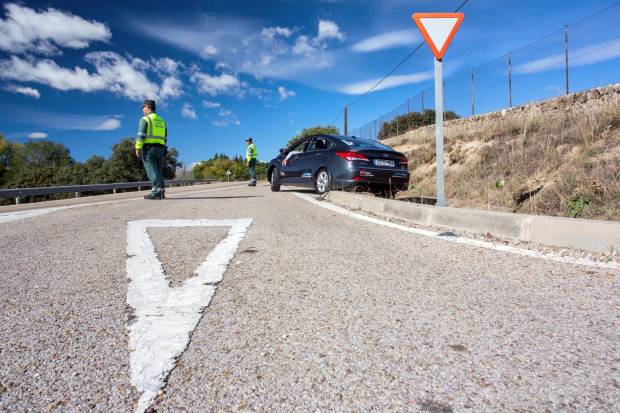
346	120
566	53
509	79
473	94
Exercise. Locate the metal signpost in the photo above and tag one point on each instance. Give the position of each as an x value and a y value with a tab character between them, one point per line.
228	173
438	30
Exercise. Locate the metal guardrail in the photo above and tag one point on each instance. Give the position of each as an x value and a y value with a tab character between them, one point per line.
18	193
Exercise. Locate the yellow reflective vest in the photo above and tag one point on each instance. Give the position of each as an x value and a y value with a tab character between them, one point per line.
251	153
154	133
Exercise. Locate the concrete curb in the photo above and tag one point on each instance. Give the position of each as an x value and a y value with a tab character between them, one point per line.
589	235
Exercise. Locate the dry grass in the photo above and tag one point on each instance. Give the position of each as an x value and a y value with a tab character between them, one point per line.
568	146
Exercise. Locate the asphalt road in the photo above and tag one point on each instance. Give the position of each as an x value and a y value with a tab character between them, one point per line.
316	311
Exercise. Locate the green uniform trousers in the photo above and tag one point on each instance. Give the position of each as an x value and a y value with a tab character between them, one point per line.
153	159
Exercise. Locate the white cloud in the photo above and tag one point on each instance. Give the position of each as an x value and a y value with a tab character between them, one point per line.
108	124
115	73
390	82
386	40
583	56
166	65
188	111
47	72
284	93
303	46
225	123
246	47
121	76
38	135
227	118
25	30
210	105
269	33
225	83
28	91
209	51
329	30
171	87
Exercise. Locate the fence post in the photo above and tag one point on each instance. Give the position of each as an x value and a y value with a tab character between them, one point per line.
509	79
566	53
396	123
473	94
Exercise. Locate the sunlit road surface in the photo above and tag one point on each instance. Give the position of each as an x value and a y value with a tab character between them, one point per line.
230	298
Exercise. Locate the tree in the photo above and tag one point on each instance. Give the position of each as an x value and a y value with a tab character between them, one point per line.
409	121
315	130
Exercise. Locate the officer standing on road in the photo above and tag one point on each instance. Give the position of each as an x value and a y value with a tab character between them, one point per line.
151	148
250	156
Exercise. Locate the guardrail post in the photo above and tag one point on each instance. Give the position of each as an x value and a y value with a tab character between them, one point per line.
17	200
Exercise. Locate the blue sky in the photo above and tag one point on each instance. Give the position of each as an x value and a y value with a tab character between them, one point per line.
76	72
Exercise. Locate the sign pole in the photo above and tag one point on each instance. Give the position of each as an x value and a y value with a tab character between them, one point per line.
438	30
439	131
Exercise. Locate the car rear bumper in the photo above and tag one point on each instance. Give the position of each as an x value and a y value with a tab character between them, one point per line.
397	179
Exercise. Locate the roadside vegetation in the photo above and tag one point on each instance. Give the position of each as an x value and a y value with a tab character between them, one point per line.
217	166
315	130
559	157
47	163
410	121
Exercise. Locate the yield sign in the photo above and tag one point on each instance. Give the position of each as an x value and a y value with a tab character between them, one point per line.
438	29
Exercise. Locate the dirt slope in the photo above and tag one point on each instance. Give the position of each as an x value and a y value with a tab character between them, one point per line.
558	157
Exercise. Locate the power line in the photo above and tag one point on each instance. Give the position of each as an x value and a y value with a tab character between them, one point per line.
354	101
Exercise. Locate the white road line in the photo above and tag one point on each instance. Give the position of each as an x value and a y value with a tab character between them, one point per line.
31	213
165	316
459	240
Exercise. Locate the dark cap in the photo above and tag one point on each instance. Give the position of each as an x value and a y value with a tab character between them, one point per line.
150	103
248	139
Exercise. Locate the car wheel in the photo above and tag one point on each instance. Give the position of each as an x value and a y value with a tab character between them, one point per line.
323	182
275	180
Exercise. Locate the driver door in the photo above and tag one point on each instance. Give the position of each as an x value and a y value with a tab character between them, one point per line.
290	171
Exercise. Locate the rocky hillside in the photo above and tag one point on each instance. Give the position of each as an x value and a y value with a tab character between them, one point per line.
557	157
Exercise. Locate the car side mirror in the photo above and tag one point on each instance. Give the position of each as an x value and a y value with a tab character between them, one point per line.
282	150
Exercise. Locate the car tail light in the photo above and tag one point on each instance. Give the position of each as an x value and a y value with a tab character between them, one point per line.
404	162
352	156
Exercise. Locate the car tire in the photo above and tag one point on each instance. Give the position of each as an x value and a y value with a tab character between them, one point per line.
323	181
275	180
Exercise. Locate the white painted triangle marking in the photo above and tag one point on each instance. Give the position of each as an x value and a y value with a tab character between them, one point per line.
165	316
439	29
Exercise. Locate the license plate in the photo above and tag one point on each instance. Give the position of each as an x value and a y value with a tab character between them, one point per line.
383	162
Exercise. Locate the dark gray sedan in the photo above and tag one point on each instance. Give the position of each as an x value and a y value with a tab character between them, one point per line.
326	162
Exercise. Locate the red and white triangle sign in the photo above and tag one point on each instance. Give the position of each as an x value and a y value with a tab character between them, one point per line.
438	29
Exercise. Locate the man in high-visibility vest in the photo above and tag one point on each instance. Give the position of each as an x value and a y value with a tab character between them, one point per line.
250	156
151	148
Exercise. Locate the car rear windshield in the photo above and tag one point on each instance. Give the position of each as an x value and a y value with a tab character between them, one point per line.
364	144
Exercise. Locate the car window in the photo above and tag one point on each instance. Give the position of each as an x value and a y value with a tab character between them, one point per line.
364	144
300	147
320	144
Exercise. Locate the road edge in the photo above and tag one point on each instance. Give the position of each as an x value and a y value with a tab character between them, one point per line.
589	235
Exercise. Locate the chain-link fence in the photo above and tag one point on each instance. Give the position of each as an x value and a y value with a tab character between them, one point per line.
579	56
